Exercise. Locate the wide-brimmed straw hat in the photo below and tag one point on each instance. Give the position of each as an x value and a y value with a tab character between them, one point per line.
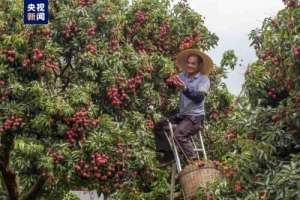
181	60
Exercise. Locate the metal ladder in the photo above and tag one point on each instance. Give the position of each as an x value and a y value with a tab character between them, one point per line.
177	167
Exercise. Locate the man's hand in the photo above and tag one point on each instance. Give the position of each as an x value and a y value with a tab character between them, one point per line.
179	83
176	81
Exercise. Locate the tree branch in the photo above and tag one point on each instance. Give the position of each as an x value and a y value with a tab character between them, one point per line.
8	174
10	180
66	80
36	189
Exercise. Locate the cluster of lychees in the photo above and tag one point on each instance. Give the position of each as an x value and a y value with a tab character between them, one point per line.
164	30
296	51
91	48
230	134
174	80
86	2
139	20
78	123
113	44
56	156
118	94
110	171
91	31
49	64
69	29
12	123
186	43
297	99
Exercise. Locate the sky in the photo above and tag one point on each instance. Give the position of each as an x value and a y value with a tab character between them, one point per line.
232	21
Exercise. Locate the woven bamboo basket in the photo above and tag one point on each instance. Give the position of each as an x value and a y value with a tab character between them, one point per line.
192	177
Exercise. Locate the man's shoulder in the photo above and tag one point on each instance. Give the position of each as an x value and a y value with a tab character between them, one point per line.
204	77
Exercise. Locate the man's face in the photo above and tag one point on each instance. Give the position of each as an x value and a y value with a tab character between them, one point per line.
192	65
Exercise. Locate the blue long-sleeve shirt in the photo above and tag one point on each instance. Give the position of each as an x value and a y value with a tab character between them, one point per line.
193	98
194	95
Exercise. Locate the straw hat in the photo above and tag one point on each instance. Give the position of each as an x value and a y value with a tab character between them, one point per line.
181	60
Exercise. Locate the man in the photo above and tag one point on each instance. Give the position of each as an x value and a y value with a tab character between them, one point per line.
194	85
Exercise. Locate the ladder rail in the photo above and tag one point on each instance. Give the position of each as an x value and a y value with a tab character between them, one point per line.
173	147
202	144
173	181
196	149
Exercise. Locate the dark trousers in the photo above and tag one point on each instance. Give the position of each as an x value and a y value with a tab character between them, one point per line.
187	126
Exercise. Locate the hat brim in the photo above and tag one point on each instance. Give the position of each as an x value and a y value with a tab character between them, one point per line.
181	60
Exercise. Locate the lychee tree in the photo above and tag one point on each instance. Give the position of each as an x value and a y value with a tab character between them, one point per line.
260	145
79	96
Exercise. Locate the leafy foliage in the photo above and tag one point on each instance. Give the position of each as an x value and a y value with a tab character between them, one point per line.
261	143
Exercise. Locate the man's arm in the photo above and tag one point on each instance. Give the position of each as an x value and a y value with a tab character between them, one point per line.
198	95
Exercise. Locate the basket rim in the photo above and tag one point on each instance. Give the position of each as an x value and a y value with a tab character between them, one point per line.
182	173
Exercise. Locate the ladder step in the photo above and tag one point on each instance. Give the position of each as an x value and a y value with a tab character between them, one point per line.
198	149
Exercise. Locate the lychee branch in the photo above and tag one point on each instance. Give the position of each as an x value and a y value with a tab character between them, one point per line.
8	173
10	180
67	80
36	189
